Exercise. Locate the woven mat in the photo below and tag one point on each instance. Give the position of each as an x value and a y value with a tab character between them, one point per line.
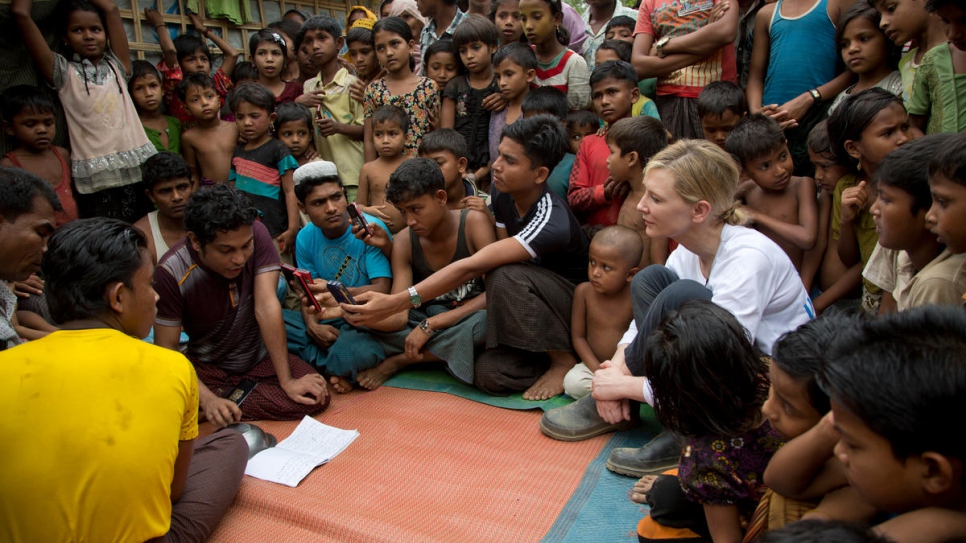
426	467
440	381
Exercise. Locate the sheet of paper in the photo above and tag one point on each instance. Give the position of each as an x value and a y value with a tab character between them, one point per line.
310	445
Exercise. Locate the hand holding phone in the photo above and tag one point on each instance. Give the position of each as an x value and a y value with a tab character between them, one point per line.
358	219
340	293
302	278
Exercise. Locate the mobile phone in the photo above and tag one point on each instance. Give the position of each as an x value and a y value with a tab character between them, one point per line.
340	293
241	391
357	218
302	278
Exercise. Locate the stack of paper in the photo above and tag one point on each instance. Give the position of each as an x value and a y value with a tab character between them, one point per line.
310	445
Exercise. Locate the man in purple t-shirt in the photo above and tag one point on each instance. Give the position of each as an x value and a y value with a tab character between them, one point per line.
220	285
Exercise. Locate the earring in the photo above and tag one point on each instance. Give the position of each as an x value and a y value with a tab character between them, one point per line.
858	166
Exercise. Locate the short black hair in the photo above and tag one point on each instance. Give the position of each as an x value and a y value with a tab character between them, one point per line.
706	376
853	115
476	28
318	22
801	354
441	46
18	190
822	531
304	15
950	160
266	35
518	53
189	44
818	141
25	97
906	170
288	27
720	96
290	111
244	71
903	375
620	20
547	100
614	69
582	117
393	114
196	79
162	167
83	258
753	137
443	139
394	25
543	140
621	47
358	33
642	134
864	10
414	178
216	209
932	6
142	68
253	93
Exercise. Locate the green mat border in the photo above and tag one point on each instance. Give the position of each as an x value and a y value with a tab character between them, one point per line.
440	381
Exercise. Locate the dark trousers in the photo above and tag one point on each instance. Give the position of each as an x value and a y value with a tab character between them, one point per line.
655	290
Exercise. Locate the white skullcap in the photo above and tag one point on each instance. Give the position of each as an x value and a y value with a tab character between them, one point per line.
315	169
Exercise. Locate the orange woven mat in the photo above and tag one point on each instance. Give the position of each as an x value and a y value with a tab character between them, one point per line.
427	467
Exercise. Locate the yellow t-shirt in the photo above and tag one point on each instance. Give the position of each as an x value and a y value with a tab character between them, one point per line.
91	424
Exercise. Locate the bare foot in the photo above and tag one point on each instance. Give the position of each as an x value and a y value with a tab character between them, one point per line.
340	384
550	384
373	378
639	493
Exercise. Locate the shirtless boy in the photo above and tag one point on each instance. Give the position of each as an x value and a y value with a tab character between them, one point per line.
447	148
779	205
389	127
602	307
632	142
167	182
209	146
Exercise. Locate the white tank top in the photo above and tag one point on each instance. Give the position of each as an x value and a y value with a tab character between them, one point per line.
160	246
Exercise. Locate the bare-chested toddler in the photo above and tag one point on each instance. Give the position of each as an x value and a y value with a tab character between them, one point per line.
209	146
390	124
601	310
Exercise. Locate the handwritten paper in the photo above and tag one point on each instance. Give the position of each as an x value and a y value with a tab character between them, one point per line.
310	445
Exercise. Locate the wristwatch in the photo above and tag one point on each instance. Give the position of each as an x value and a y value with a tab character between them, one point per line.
660	46
415	298
816	95
424	326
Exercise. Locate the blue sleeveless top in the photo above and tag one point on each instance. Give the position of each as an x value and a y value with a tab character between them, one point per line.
803	53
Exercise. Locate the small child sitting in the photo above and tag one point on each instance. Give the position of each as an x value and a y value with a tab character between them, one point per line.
144	86
390	124
262	167
709	385
207	146
447	148
909	262
894	381
293	127
602	306
721	104
28	116
167	182
551	101
779	205
189	54
632	142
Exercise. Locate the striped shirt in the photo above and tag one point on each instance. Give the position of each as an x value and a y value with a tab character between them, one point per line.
567	73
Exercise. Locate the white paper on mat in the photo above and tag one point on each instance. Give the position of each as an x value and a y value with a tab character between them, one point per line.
310	445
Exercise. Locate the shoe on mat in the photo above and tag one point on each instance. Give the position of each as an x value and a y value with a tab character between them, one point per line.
657	456
579	421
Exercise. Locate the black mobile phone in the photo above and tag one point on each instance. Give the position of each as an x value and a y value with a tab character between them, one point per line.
355	214
302	278
340	293
241	391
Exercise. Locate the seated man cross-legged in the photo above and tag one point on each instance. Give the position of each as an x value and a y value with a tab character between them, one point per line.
221	284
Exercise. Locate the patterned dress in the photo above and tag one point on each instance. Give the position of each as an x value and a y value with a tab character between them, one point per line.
421	104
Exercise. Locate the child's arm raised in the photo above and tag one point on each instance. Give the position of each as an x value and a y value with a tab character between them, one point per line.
156	20
854	200
286	240
116	34
803	234
802	468
230	53
33	39
578	328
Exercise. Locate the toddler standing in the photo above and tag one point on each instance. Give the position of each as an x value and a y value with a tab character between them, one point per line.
390	125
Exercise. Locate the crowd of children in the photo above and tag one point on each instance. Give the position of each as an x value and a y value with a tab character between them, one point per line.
531	209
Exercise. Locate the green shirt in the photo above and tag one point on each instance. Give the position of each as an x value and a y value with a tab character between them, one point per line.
938	92
174	136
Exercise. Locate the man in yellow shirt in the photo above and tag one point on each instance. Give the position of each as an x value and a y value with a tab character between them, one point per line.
103	425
